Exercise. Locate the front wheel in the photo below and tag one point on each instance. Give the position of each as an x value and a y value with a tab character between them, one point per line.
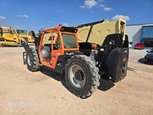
32	60
82	76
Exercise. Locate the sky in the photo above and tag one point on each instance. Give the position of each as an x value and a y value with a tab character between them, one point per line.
37	14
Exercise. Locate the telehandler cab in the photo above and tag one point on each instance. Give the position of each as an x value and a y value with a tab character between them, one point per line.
59	49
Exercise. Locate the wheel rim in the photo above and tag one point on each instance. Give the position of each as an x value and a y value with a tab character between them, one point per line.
76	76
29	60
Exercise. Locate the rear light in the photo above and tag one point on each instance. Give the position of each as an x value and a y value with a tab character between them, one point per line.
124	59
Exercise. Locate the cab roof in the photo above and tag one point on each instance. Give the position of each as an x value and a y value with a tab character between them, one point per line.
64	29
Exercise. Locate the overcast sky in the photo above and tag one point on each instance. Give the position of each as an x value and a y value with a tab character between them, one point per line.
36	14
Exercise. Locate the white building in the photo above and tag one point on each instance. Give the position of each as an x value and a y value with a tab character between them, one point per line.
140	33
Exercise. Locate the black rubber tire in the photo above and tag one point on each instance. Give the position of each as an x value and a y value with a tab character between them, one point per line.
91	73
34	66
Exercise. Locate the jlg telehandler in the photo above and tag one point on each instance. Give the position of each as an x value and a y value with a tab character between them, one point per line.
82	63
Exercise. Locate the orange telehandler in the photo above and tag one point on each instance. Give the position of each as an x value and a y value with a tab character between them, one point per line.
82	62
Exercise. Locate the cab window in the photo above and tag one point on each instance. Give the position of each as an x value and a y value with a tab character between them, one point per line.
69	41
48	38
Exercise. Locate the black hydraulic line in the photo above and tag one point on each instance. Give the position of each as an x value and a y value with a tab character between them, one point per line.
89	33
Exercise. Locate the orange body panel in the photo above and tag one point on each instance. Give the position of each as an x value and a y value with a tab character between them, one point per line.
55	53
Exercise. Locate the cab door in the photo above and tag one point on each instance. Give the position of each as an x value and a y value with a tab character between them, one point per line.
51	44
57	47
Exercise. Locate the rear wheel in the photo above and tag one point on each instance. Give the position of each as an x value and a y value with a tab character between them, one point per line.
32	60
82	76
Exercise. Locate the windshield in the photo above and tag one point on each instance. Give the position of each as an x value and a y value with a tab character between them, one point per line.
5	30
151	50
69	41
21	31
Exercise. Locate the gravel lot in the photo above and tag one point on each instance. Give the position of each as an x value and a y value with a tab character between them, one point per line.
44	93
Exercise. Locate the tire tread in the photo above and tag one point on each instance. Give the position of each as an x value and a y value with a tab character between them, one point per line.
35	66
95	77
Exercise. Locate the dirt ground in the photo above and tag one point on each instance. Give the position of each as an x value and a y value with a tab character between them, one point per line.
44	93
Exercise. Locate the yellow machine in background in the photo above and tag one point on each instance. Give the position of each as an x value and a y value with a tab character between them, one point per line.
7	37
10	36
22	34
